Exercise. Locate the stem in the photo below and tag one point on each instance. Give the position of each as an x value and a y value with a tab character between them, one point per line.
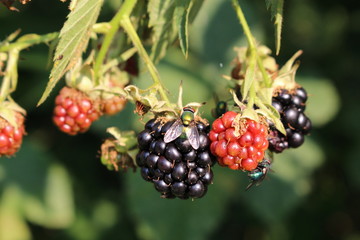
252	95
124	12
250	39
244	24
122	18
128	27
29	40
9	81
266	78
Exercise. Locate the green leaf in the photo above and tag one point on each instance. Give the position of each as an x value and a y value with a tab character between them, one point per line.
47	197
181	14
272	114
194	10
160	19
276	9
249	76
323	103
179	219
289	183
74	37
12	224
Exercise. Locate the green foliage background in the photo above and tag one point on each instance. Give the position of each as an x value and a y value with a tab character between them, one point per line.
56	187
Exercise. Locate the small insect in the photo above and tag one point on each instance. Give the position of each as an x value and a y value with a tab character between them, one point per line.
60	57
257	175
220	109
186	123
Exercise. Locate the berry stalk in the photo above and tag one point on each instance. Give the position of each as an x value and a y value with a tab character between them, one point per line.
251	43
124	12
122	19
129	28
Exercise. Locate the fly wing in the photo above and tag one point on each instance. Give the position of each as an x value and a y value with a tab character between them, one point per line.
174	131
193	135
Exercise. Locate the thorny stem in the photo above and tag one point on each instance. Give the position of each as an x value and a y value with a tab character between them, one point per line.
251	42
122	18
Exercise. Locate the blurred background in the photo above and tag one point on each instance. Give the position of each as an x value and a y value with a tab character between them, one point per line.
57	188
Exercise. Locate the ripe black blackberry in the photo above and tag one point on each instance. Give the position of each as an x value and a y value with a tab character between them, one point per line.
176	169
291	106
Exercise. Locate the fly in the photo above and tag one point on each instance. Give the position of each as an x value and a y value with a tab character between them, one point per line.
257	175
186	123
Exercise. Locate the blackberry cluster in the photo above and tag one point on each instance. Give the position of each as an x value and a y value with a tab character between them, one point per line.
291	106
175	168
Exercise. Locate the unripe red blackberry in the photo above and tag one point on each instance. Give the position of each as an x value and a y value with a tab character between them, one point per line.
291	106
175	168
238	150
11	136
113	105
75	111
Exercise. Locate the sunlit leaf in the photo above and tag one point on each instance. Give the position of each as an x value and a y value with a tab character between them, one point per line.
276	9
160	19
181	15
74	37
249	76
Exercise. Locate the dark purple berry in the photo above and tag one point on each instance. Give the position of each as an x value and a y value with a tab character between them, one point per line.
190	156
164	165
202	127
290	117
145	174
178	188
284	97
296	140
277	105
151	160
141	158
161	186
201	171
166	126
144	139
159	147
150	124
204	142
172	153
204	159
298	103
301	121
157	130
158	174
183	144
179	172
300	92
192	177
168	178
208	177
191	165
197	190
307	128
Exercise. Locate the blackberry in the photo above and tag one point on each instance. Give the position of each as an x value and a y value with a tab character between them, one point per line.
291	106
175	168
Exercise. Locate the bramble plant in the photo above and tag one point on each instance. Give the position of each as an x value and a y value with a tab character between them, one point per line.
178	147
